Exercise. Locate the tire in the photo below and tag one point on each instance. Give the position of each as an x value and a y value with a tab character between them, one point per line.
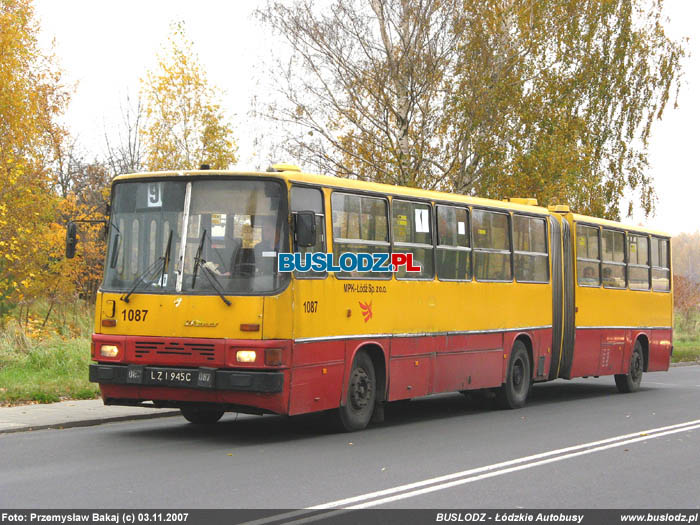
631	381
513	393
201	416
361	397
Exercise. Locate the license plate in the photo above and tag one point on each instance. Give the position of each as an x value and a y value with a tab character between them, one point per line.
170	376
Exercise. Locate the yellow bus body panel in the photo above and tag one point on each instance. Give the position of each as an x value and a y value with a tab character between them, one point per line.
604	307
355	307
184	316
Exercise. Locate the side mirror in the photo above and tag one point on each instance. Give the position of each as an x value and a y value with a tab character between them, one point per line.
71	239
305	229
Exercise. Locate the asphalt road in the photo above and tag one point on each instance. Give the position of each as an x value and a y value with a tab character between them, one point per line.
576	445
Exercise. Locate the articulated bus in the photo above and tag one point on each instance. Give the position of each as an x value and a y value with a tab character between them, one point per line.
195	313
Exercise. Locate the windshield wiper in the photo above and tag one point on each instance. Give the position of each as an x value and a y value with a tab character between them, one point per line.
208	273
115	245
198	257
166	258
159	267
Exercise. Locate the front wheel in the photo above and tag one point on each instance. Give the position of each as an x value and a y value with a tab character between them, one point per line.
631	381
201	416
514	391
362	394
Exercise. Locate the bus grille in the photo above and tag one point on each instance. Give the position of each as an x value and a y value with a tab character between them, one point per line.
173	351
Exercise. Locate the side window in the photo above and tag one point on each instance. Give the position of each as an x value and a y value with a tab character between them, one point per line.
661	265
309	199
638	263
530	259
587	255
491	235
454	249
614	268
411	226
360	224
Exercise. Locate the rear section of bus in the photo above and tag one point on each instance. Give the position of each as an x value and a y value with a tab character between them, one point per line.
190	272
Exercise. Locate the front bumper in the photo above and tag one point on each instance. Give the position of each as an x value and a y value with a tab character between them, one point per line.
202	378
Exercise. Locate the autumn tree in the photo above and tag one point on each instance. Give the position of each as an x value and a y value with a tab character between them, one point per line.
125	150
31	100
80	188
686	255
86	199
552	99
686	302
185	124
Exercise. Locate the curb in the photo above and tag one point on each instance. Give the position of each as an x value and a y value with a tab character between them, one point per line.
89	422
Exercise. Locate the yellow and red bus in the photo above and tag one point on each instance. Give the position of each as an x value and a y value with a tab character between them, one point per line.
193	312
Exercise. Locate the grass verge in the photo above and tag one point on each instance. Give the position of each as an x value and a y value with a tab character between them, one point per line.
48	371
46	364
686	350
686	338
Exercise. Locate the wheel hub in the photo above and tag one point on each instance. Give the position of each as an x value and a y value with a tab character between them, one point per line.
636	369
360	389
518	374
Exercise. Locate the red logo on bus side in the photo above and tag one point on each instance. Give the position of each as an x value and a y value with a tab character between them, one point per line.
366	310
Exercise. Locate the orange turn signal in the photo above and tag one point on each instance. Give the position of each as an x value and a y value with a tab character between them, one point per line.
109	323
251	327
273	356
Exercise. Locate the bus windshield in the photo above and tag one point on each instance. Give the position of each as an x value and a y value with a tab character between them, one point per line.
235	228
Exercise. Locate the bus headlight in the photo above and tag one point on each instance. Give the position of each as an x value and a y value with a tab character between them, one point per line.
109	351
245	356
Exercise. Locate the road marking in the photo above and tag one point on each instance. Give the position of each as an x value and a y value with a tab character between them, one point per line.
520	467
426	486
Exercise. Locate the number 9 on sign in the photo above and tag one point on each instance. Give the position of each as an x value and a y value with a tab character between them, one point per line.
154	195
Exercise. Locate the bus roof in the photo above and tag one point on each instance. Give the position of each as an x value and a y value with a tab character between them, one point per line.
613	224
294	175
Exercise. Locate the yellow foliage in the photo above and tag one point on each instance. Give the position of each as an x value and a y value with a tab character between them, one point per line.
186	126
31	100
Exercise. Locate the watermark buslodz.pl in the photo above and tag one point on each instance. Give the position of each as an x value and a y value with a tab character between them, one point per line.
347	262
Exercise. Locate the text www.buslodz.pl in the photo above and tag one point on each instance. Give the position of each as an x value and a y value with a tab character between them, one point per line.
347	262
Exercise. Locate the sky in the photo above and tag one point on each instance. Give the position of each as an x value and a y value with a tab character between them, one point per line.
105	47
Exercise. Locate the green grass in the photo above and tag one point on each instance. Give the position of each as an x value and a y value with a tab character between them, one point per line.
686	338
49	364
46	371
686	348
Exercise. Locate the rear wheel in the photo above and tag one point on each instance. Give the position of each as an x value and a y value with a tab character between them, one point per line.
631	381
515	390
362	395
201	416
